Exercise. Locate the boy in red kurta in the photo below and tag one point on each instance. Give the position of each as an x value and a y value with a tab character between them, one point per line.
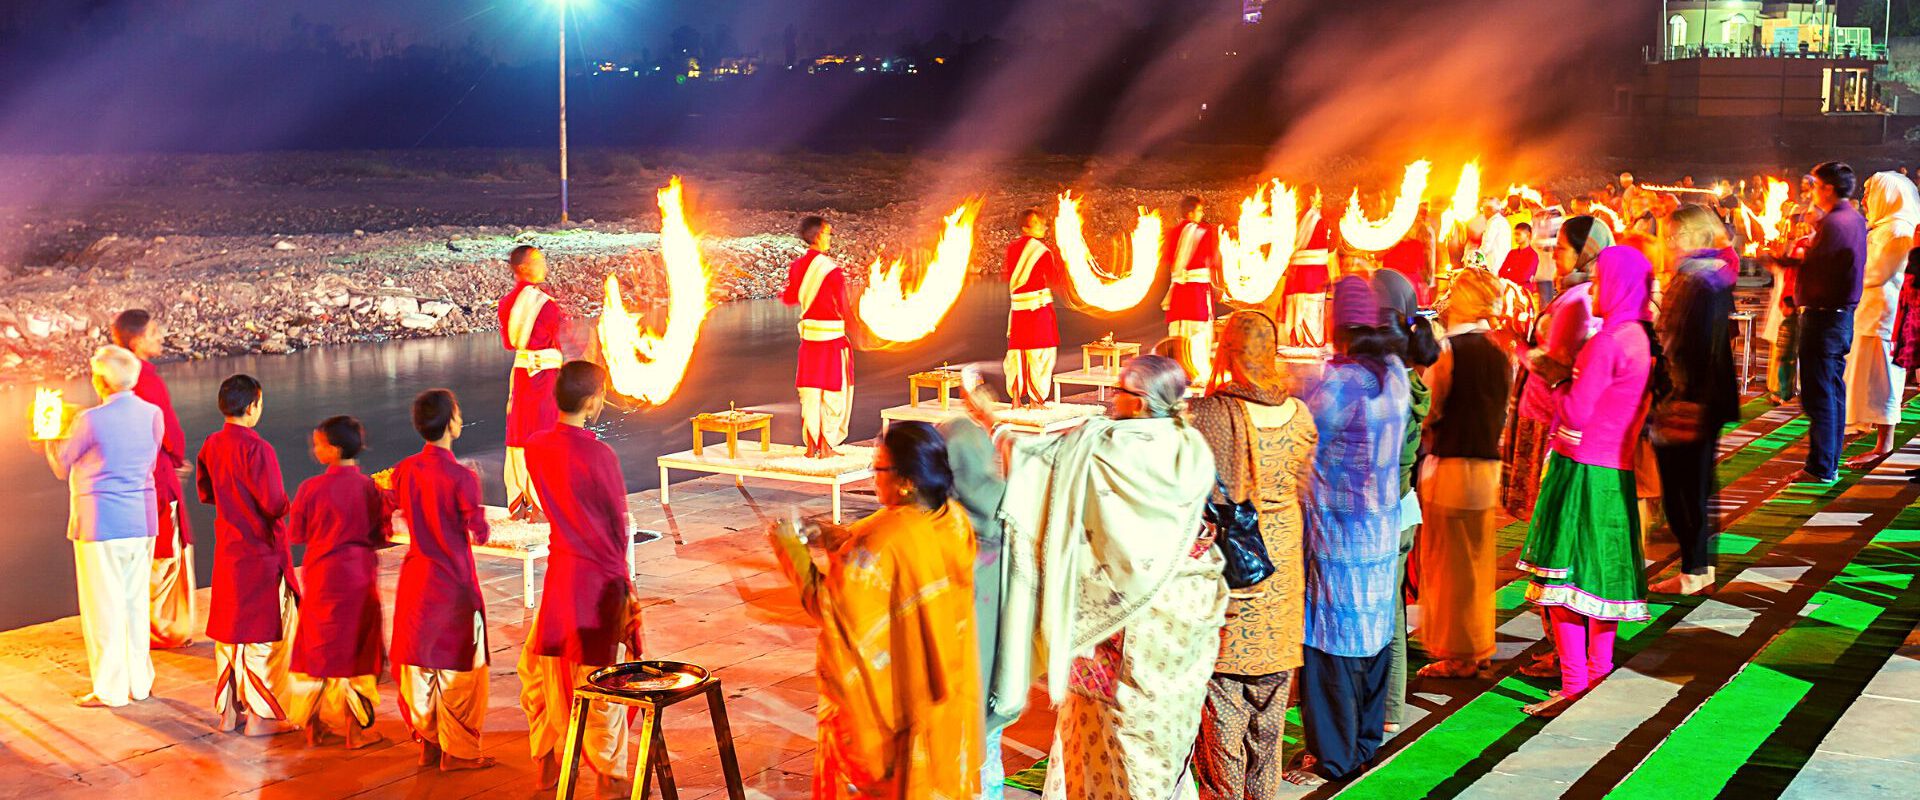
344	520
1033	336
825	375
532	324
1309	274
255	599
1192	256
439	617
589	616
171	607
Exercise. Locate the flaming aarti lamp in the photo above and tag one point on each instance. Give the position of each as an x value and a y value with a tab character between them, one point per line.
50	417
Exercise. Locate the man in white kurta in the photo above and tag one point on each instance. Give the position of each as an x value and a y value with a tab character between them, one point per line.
1873	382
107	460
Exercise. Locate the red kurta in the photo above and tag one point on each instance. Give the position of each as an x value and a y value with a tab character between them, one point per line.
343	520
823	357
1520	265
1410	258
173	456
238	473
1031	325
530	407
1307	271
439	590
1192	256
583	611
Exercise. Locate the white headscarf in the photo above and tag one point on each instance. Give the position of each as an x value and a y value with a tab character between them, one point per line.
1893	211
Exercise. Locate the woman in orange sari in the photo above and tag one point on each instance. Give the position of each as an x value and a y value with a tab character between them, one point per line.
900	709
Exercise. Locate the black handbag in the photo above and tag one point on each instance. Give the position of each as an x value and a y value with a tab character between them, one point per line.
1236	529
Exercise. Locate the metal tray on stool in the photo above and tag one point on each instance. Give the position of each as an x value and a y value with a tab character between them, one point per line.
651	686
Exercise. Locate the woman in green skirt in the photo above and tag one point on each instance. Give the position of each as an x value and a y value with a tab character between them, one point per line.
1583	549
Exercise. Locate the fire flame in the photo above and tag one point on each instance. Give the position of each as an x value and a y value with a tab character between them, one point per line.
1611	217
1771	223
1094	286
1466	198
49	414
1365	234
649	366
895	313
1526	193
1255	262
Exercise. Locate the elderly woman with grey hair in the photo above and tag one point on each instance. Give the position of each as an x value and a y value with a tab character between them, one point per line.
1128	599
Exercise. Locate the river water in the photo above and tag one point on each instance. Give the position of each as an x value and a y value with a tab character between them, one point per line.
745	356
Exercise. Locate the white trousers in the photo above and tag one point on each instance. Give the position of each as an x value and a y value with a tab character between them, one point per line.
1030	374
112	578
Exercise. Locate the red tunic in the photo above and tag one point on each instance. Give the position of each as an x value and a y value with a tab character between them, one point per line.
1308	270
238	473
1031	325
823	355
166	468
1520	265
1409	258
583	611
1193	259
530	407
439	590
343	520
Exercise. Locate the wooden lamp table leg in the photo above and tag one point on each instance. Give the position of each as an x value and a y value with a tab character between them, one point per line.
570	754
723	736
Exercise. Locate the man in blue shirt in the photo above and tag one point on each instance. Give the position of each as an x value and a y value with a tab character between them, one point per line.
107	459
1826	292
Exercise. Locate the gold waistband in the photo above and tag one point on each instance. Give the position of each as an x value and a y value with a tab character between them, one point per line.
537	361
822	330
1032	301
1192	276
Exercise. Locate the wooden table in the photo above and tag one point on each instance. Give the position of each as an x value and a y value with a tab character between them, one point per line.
763	465
940	380
733	423
1108	353
528	554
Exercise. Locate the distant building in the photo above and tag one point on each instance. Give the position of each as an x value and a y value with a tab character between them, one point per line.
1784	71
1250	11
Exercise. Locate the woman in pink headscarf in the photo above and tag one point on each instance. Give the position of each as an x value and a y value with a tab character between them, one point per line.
1583	549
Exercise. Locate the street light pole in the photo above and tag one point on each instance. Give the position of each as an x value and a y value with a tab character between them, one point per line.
563	112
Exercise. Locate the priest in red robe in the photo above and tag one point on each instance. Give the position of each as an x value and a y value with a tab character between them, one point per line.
172	606
1309	274
1033	336
589	616
825	376
532	325
1192	256
439	617
255	597
344	520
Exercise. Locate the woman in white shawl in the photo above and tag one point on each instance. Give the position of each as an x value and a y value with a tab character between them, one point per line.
1109	565
1873	382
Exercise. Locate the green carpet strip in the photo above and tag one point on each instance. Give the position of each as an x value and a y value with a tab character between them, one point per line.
1460	749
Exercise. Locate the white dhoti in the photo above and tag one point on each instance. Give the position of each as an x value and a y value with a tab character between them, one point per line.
519	482
1873	383
448	707
112	577
338	703
546	694
1030	374
1198	358
170	589
824	415
255	678
1306	320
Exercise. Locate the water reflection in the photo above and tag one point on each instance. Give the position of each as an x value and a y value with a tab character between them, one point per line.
745	356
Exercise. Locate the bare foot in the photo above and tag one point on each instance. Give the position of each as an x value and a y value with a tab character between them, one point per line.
1548	708
829	452
1450	669
358	738
429	754
1547	666
1301	777
231	720
90	700
317	735
257	726
1684	583
1867	459
1391	727
547	771
450	763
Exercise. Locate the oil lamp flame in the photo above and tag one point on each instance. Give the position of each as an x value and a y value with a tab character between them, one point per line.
649	366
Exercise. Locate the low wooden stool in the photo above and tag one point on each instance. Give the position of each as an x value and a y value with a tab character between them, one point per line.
650	686
733	422
941	380
1106	354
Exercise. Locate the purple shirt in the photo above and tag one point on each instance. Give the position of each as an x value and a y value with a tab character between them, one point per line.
107	461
